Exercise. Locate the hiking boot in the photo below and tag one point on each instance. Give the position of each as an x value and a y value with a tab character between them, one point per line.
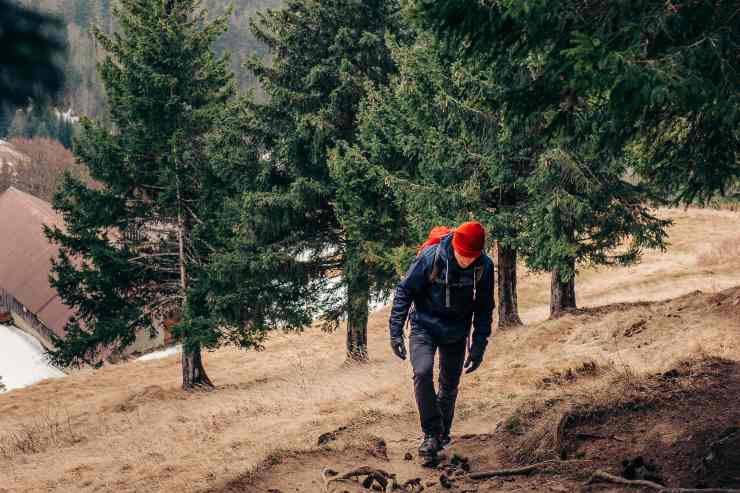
431	445
444	440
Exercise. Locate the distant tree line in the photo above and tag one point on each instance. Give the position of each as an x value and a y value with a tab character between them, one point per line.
78	19
39	120
378	121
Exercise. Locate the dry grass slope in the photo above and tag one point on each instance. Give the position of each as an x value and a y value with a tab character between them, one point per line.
129	428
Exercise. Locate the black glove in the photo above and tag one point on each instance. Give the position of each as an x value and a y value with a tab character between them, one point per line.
473	362
398	346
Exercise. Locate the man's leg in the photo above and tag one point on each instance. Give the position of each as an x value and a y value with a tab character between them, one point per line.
451	361
422	361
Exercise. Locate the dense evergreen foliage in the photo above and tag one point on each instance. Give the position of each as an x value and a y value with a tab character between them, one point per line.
665	74
321	213
136	248
40	120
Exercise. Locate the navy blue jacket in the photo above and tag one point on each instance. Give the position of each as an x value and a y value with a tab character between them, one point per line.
445	317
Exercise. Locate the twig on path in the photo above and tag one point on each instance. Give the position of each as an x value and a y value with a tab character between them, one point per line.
610	478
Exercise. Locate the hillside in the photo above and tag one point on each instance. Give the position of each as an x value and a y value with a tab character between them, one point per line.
83	90
657	345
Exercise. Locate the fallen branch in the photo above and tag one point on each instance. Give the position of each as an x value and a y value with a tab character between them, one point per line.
520	470
610	478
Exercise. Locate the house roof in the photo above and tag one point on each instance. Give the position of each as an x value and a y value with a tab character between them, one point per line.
25	256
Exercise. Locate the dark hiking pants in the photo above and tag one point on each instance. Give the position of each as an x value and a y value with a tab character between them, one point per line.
436	409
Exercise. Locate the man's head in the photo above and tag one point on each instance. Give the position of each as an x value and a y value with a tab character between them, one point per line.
468	242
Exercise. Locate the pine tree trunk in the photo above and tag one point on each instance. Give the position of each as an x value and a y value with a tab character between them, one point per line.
506	301
358	297
562	295
193	373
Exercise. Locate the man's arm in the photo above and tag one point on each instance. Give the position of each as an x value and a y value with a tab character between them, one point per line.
410	286
483	314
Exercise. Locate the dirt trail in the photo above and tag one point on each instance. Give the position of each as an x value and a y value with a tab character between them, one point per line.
129	428
605	416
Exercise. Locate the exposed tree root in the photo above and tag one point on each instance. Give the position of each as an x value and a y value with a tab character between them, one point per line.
560	446
601	476
593	436
509	472
519	470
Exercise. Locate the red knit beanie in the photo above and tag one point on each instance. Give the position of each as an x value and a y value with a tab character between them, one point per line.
469	239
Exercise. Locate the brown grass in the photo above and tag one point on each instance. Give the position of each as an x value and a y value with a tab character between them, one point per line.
129	428
727	251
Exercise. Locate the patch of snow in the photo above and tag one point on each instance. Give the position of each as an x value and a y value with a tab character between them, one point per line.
22	359
170	351
67	116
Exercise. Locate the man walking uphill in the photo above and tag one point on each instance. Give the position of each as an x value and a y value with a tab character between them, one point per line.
450	285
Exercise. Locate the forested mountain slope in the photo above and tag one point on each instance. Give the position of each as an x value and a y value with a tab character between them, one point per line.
83	91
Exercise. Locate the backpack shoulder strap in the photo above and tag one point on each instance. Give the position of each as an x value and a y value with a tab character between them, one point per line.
479	272
435	267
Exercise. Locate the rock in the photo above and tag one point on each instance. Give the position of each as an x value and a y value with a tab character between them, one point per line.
639	468
408	456
329	436
379	449
445	482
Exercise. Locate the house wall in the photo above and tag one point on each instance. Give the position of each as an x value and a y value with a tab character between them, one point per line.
144	342
21	322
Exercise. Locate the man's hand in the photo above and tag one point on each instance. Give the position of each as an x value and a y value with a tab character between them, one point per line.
472	363
399	347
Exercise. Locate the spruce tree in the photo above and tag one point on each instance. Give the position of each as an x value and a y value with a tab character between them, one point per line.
581	208
137	248
436	134
319	217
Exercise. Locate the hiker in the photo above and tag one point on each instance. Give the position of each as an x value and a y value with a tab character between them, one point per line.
450	284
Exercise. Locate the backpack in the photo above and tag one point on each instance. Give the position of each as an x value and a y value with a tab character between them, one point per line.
477	275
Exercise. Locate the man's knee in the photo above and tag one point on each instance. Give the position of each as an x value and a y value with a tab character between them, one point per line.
449	387
449	380
424	372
